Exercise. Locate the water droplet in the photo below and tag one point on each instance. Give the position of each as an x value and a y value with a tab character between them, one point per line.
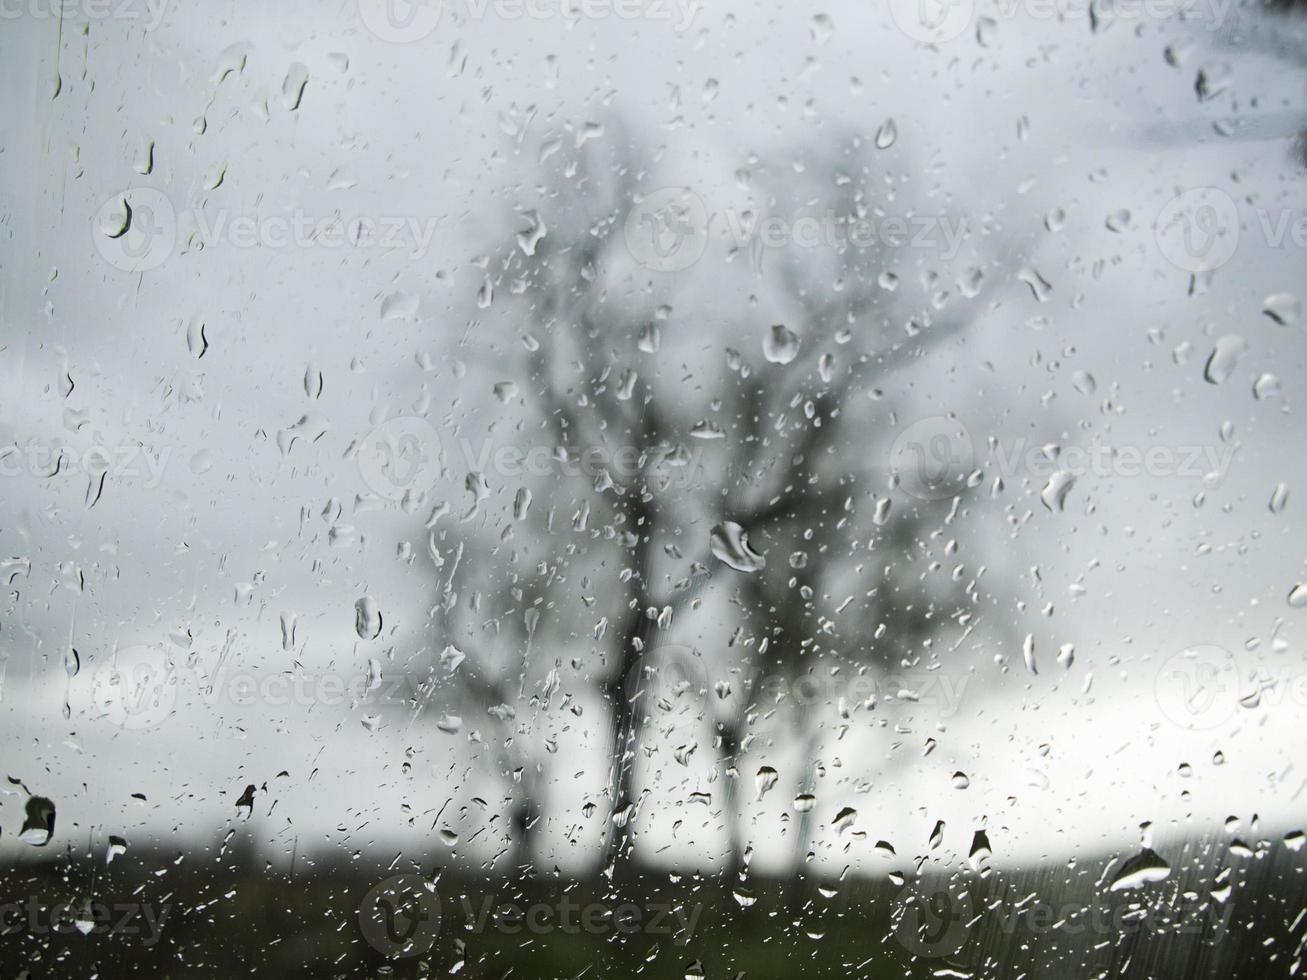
937	835
1279	497
1144	868
821	28
729	543
886	135
781	345
1028	653
1040	287
1283	308
367	618
1266	386
979	855
844	819
1118	221
292	86
245	805
1055	491
399	306
1225	357
117	848
38	822
1066	656
650	339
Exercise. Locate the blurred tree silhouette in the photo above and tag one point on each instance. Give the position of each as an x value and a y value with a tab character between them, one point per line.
802	466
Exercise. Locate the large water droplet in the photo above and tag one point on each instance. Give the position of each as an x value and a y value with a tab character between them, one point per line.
1144	868
367	618
781	345
729	543
38	822
1225	357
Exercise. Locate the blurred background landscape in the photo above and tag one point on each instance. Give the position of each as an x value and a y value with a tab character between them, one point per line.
823	479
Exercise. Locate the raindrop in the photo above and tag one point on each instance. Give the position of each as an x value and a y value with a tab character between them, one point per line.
399	306
980	853
650	339
245	805
292	87
1055	491
1266	386
1225	357
1279	497
1283	308
38	822
937	835
729	543
886	135
1118	221
781	345
367	618
117	848
1143	869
